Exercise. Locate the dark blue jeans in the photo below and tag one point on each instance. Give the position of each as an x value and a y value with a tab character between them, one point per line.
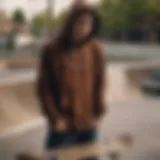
66	139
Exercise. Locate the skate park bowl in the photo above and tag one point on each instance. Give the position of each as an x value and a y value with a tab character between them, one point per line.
18	103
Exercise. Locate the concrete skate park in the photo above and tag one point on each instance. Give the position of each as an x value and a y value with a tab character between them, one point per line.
130	111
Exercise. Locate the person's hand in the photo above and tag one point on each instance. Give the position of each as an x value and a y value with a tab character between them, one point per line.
61	125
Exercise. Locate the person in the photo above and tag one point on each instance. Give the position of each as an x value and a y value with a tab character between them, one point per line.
71	81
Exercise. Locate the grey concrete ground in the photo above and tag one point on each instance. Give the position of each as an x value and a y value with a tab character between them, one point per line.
141	119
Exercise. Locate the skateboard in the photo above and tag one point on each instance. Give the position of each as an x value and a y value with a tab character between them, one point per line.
111	149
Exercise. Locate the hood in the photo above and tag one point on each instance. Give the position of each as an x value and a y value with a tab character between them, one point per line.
65	39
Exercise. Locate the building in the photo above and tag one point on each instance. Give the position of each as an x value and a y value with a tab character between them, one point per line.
5	24
5	28
23	36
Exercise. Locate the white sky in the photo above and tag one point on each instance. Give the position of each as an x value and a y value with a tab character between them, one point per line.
31	7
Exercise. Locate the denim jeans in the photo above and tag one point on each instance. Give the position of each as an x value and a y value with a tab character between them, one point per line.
66	139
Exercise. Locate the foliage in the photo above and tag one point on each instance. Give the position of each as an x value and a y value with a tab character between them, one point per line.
119	14
115	15
60	20
41	21
44	21
112	15
18	16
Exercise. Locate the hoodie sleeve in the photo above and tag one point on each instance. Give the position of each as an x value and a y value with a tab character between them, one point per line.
46	97
100	82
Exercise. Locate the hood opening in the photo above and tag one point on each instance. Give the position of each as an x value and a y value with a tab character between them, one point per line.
65	38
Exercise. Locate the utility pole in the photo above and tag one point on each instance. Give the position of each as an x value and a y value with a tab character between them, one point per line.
50	10
50	7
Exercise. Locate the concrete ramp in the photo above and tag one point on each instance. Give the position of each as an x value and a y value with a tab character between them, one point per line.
18	104
136	72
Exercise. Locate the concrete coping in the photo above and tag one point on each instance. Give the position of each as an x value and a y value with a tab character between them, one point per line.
16	79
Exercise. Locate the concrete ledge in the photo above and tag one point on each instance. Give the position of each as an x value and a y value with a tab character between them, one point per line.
18	104
11	79
18	63
3	64
139	71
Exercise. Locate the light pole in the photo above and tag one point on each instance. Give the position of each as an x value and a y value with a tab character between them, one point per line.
50	10
50	7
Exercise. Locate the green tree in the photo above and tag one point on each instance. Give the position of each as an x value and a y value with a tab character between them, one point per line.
42	21
153	16
137	12
123	13
60	19
113	14
18	16
118	15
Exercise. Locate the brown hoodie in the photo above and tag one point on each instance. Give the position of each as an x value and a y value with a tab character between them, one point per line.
71	78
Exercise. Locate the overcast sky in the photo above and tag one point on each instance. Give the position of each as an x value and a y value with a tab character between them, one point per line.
31	7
